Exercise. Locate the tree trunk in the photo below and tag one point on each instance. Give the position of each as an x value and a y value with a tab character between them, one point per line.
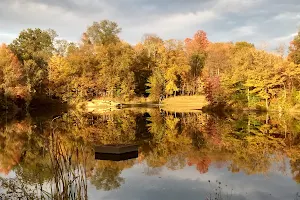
249	124
284	88
267	104
248	96
267	118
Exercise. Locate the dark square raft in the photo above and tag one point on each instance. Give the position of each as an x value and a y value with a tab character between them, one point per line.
117	152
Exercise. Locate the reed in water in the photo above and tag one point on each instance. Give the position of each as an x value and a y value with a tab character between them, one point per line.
68	176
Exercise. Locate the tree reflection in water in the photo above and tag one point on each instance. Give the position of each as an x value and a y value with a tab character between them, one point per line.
66	167
55	158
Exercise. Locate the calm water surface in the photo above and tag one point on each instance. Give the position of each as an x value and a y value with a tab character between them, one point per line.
181	156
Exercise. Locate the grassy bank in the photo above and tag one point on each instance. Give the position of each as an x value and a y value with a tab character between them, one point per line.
173	104
184	103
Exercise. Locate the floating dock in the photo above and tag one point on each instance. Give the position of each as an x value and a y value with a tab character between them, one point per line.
116	152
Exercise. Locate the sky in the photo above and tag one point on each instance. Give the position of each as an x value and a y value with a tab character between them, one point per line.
266	23
189	184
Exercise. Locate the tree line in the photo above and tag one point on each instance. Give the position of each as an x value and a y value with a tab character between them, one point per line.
102	65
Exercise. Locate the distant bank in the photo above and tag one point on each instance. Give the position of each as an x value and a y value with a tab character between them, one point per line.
172	104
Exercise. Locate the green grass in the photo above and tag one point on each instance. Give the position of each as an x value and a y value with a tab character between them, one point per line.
184	103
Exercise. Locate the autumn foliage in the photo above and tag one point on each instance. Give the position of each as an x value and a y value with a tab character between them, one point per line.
102	65
198	44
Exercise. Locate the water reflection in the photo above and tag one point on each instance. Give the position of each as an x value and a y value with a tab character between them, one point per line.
55	159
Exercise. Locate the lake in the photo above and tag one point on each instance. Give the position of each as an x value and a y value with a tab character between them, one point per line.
180	156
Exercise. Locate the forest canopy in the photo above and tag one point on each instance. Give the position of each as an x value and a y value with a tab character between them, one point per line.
238	75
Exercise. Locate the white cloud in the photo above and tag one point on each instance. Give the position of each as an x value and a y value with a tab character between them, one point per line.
285	38
169	23
244	31
235	5
223	20
7	37
287	15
